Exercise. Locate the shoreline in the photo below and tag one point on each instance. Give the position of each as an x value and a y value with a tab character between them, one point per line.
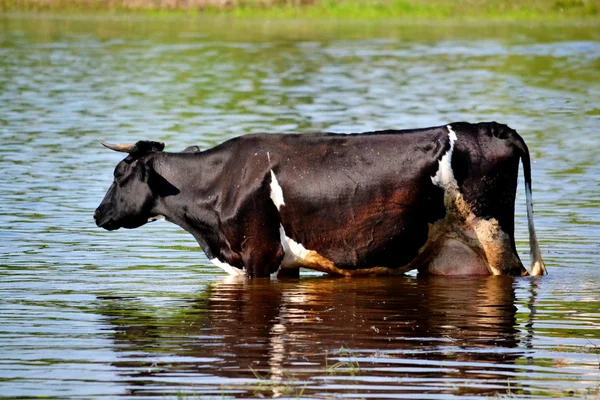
352	10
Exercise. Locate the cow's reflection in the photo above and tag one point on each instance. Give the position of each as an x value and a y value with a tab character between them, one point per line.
459	328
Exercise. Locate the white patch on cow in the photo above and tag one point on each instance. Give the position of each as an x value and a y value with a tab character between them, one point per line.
226	267
293	252
276	192
156	218
445	176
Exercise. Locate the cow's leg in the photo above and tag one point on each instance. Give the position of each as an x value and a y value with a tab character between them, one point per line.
257	224
489	191
258	232
289	267
477	235
497	247
261	257
465	244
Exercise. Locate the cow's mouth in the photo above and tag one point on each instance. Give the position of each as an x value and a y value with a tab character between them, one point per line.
108	224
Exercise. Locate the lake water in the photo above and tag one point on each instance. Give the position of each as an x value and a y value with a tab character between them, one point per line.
86	313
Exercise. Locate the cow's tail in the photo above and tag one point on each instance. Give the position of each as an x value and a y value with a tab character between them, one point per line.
537	264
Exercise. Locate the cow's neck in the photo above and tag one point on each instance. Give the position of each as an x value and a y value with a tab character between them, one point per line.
185	191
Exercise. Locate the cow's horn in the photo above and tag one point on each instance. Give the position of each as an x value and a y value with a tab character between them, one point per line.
123	148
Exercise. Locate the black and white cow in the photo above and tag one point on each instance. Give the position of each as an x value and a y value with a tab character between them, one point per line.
439	200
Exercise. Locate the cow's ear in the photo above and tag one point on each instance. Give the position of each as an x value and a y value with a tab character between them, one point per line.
157	182
144	147
143	170
191	149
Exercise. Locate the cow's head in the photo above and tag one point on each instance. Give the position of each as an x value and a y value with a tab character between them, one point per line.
129	200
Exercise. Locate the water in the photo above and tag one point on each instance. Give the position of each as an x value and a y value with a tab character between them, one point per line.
86	313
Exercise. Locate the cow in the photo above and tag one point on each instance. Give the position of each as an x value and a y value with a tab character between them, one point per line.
438	200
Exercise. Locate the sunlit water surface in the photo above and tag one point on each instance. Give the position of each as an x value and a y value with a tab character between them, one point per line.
86	313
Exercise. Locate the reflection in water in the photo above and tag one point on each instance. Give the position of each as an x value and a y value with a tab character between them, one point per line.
439	334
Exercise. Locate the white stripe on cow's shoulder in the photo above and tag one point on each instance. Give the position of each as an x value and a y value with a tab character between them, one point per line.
445	176
226	267
294	253
276	192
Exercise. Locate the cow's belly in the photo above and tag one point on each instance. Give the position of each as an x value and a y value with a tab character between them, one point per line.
391	243
332	254
296	256
454	257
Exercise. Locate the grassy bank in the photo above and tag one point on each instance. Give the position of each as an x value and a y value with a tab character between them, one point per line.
338	9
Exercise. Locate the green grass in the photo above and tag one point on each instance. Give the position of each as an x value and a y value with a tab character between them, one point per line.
289	386
348	366
332	9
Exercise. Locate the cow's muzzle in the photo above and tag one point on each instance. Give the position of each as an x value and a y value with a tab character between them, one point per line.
104	221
